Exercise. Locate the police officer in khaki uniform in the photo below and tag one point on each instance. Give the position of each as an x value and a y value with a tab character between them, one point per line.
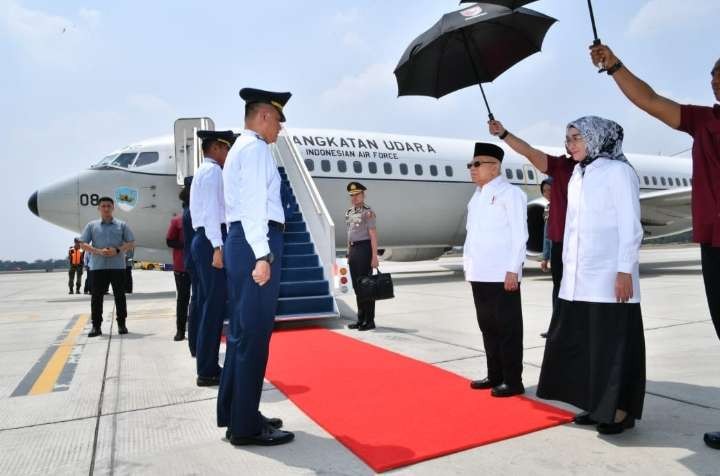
362	250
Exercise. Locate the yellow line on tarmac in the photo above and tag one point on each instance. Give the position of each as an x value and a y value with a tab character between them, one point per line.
46	381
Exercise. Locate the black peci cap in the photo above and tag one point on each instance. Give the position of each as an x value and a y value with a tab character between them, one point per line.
277	100
353	188
226	137
491	150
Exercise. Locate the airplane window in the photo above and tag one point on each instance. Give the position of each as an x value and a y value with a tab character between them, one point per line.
146	158
372	167
342	166
670	181
508	173
433	170
685	182
357	167
519	174
654	179
403	169
325	165
310	165
647	181
105	160
690	181
448	171
124	160
662	180
387	167
677	181
418	169
531	175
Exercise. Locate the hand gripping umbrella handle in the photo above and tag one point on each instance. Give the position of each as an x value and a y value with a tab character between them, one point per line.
596	41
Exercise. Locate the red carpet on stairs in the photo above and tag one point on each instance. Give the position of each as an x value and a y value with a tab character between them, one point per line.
392	410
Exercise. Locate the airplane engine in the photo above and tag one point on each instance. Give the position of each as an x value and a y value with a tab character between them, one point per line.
536	225
412	254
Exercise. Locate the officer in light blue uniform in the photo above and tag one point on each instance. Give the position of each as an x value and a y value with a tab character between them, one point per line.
207	210
253	255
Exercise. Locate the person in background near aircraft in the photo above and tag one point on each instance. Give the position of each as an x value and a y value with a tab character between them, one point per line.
253	257
108	239
76	257
595	352
362	250
88	276
703	124
493	255
546	192
559	169
195	288
175	240
128	271
207	208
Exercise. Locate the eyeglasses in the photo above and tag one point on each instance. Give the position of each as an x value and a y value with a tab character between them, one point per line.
479	163
574	139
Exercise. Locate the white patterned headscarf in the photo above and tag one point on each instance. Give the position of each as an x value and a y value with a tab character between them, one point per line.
603	139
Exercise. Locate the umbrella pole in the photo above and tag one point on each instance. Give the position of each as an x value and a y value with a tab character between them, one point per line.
477	75
596	40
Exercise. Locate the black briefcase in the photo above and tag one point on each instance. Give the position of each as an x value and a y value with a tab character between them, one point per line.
375	287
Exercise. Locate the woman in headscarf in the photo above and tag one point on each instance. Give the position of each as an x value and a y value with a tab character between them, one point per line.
595	352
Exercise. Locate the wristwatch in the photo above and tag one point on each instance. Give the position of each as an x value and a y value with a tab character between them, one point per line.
268	257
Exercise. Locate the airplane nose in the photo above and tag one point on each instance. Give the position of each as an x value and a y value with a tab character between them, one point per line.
32	203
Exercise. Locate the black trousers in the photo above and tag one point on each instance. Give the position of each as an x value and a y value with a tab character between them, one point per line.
710	260
556	269
88	281
128	280
182	286
72	272
101	278
499	315
359	261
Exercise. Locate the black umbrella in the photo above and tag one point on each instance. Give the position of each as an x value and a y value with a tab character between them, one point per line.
467	47
512	4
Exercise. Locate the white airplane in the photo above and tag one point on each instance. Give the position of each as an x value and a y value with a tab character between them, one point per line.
419	187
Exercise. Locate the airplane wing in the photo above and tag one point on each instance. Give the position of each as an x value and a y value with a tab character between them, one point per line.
666	212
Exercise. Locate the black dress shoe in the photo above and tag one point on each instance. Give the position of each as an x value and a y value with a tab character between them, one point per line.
179	336
366	326
71	292
355	325
616	427
95	332
584	419
275	423
268	436
122	329
712	439
505	390
208	381
482	384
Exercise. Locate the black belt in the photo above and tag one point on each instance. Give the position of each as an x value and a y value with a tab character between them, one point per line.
361	242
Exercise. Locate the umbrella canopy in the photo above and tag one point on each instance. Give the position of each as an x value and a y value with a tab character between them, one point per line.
512	4
467	47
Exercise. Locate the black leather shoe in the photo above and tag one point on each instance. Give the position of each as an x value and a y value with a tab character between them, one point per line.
275	423
268	436
95	332
712	439
77	291
179	336
208	381
504	390
482	384
584	419
71	292
366	326
616	427
355	325
122	329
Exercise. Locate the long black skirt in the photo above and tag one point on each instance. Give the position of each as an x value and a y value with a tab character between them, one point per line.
595	358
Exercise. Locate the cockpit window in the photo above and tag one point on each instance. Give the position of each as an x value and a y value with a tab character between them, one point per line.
124	160
146	158
105	160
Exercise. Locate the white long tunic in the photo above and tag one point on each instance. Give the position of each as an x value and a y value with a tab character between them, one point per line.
252	190
602	232
496	232
207	204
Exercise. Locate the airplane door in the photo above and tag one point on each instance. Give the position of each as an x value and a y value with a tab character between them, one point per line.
530	174
187	146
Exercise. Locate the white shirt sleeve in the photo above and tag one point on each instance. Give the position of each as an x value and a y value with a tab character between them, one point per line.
516	205
254	200
626	199
214	207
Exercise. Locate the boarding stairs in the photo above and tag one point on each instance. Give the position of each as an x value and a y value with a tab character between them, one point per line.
307	282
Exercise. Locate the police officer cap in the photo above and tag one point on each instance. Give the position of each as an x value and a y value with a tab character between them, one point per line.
277	100
483	148
226	137
354	188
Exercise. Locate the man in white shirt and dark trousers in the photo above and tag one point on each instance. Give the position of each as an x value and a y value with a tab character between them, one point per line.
253	256
493	258
207	208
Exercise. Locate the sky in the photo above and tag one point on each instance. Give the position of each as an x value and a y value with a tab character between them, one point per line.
83	78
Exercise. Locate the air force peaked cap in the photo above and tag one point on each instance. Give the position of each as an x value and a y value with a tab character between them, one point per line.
491	150
226	137
353	188
277	100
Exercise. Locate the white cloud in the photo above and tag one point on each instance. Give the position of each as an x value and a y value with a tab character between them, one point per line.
376	82
661	16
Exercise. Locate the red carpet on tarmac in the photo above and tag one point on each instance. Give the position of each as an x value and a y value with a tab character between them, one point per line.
391	410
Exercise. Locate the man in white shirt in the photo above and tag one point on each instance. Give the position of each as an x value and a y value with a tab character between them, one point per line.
253	256
207	208
493	258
